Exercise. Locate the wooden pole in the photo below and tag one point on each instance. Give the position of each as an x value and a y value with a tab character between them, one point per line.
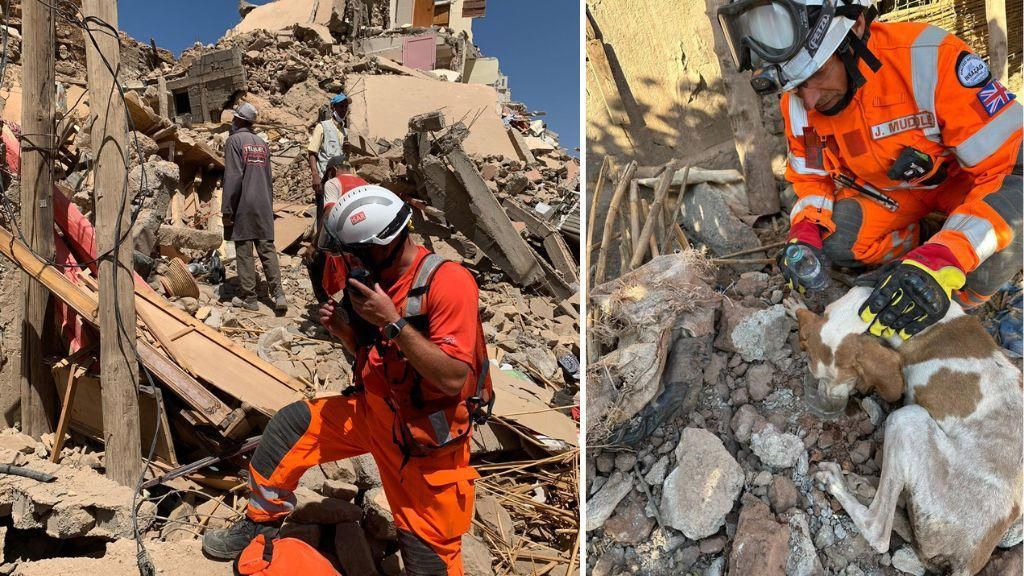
609	223
640	245
748	127
673	215
595	198
995	13
118	363
38	121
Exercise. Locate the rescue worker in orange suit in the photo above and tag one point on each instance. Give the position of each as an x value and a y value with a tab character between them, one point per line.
887	123
421	382
327	273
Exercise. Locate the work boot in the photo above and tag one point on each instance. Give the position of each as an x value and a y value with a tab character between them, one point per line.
228	543
249	303
280	303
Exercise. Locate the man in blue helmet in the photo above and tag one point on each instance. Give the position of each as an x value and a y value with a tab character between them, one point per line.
327	141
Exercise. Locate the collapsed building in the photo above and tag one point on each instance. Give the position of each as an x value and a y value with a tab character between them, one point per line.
433	120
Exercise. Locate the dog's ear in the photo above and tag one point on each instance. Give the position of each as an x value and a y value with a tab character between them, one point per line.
879	367
809	323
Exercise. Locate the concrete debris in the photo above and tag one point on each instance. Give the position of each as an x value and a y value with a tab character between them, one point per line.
776	449
601	504
701	460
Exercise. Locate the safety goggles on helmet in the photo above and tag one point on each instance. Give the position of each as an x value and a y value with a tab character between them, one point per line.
784	42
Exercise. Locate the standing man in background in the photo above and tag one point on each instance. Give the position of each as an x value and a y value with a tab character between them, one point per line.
248	210
327	141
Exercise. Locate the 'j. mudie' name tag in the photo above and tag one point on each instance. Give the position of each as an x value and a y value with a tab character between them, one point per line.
913	122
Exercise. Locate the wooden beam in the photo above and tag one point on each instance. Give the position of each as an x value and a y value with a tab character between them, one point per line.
995	13
646	235
38	122
748	127
118	363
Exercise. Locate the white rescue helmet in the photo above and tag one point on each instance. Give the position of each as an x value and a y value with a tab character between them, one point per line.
784	42
364	216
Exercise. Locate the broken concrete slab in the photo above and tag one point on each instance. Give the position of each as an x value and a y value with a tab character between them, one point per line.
282	14
120	559
708	219
383	105
701	460
183	237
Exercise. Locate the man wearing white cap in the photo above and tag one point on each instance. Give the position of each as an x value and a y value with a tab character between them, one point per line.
248	209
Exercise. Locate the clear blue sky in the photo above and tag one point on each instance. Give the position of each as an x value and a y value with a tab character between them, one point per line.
536	41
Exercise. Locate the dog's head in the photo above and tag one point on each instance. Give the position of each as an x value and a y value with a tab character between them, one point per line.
843	358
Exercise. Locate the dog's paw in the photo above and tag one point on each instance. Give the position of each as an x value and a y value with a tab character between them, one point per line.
830	477
792	303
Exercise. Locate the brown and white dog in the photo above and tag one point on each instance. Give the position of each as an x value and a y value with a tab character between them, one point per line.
955	447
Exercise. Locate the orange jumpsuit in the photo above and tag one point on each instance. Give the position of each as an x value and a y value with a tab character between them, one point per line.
931	94
431	498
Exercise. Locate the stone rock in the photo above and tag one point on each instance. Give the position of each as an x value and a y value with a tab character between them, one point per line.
702	462
761	545
341	470
378	519
776	449
340	490
742	422
873	410
755	334
314	479
751	283
803	558
708	220
906	561
312	508
601	505
759	381
712	545
353	550
783	494
630	524
69	522
367	474
492	514
860	452
476	557
308	533
656	475
17	442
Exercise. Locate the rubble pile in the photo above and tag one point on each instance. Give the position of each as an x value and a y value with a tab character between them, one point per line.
509	214
702	452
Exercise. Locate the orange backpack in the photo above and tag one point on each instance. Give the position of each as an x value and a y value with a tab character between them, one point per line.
282	557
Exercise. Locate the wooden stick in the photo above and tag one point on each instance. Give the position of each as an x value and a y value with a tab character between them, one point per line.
659	198
613	208
634	210
764	248
553	408
673	217
652	244
595	198
721	262
626	244
572	558
65	412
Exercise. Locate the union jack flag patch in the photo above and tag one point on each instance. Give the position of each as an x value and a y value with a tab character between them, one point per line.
993	96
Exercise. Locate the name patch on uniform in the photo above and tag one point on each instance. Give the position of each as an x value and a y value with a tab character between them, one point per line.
253	154
994	96
971	70
913	122
358	217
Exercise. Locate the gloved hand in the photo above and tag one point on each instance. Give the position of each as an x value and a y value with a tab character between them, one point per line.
807	235
915	293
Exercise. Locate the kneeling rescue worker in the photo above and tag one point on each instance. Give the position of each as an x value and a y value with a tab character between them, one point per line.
887	123
421	382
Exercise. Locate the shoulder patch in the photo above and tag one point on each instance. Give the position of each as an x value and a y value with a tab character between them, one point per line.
994	96
971	70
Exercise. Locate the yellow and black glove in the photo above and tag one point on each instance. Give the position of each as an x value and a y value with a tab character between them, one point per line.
913	294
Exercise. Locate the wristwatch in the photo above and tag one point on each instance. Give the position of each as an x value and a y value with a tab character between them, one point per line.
391	331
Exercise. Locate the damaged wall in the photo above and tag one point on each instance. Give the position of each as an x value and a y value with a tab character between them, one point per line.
383	105
282	14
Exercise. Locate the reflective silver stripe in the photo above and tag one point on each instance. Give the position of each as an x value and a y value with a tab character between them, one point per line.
924	57
979	233
797	116
819	202
258	500
414	304
441	428
990	137
799	165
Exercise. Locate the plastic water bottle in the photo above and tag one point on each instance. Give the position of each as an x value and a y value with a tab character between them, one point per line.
807	267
